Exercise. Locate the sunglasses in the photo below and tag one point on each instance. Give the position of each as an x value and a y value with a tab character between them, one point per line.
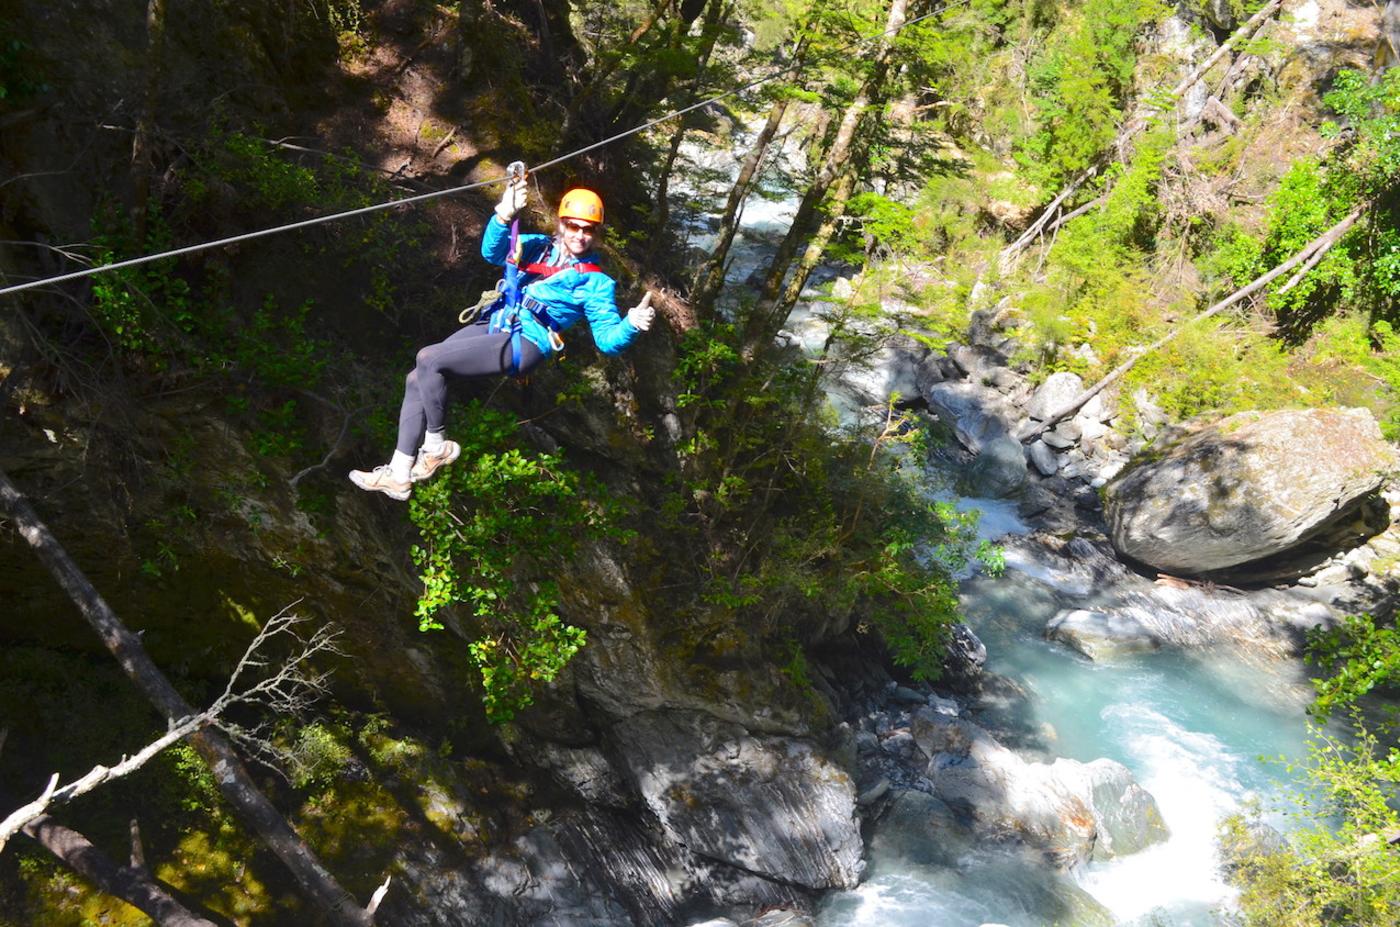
586	228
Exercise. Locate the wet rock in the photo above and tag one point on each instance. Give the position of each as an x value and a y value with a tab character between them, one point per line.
1071	811
999	469
1102	634
782	919
1248	488
920	830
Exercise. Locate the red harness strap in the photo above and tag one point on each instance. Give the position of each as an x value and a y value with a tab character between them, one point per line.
541	271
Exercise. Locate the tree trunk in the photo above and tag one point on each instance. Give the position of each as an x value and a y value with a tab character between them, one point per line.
816	246
710	277
129	883
1305	260
771	309
141	164
715	14
233	779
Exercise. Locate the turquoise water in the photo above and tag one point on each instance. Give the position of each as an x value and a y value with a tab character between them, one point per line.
1202	732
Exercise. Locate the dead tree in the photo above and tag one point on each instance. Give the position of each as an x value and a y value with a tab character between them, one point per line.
232	777
287	690
131	884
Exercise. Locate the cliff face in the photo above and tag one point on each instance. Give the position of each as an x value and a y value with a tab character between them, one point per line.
672	768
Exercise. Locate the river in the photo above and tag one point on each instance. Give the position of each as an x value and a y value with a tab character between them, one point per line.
1207	734
1202	733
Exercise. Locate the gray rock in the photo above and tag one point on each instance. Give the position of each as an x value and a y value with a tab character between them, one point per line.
873	794
999	470
1069	810
928	372
976	361
908	696
1036	500
963	661
1250	487
782	919
1057	440
1056	392
1102	634
976	414
1148	412
773	806
1003	379
1220	14
920	830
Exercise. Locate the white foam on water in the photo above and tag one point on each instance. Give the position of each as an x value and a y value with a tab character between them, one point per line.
1197	782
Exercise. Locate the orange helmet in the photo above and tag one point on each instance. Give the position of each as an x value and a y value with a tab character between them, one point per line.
584	205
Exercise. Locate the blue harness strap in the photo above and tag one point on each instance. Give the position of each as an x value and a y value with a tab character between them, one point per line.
507	316
514	300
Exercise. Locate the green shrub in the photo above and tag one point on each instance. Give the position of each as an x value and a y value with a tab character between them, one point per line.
497	528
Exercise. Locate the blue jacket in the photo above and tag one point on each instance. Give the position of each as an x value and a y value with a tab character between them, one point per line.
569	295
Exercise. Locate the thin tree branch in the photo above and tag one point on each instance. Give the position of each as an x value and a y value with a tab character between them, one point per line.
1312	252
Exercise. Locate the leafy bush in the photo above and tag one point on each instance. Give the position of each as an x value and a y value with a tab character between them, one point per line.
497	527
1342	868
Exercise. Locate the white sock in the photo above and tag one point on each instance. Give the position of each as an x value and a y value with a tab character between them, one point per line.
399	466
432	441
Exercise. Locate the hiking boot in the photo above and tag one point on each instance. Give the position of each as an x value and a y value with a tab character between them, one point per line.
428	462
380	479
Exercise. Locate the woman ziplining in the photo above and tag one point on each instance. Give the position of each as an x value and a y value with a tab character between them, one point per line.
551	283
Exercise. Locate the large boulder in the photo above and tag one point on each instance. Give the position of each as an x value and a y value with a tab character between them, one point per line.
1071	811
978	415
999	469
770	805
1248	488
1058	390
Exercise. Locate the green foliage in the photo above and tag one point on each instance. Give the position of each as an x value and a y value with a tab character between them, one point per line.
146	309
1343	868
1349	875
19	74
318	753
496	527
888	227
790	518
1371	355
1358	656
1080	82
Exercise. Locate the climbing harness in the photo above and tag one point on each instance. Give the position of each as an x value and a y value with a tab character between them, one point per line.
409	200
510	303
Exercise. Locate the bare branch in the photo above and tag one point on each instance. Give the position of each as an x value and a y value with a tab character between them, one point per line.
290	689
335	448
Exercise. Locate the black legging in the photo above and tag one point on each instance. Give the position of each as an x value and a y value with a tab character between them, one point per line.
472	351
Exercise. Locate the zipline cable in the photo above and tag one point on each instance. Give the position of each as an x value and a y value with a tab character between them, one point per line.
408	200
